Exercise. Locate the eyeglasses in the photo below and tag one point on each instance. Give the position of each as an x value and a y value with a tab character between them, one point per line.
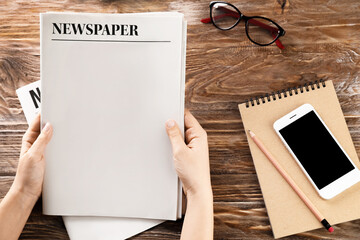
260	30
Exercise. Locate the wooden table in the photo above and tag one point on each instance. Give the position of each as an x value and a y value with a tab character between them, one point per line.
223	69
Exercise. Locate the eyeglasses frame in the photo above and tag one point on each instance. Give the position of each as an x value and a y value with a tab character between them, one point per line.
281	31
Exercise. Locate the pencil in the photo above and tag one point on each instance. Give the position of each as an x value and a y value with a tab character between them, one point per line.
291	182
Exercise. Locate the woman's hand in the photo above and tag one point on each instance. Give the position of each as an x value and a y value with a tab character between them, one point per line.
16	206
191	161
30	172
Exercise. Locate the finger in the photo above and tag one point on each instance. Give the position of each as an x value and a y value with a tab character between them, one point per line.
30	135
191	122
176	139
38	148
193	128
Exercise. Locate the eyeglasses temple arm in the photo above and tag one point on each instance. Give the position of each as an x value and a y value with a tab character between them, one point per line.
208	20
263	25
228	13
274	31
278	42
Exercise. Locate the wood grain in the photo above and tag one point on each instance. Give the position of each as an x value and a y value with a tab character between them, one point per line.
223	69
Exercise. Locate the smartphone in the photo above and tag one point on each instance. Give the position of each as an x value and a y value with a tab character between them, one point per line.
315	149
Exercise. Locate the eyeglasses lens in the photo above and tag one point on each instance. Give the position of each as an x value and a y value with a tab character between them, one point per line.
224	16
262	31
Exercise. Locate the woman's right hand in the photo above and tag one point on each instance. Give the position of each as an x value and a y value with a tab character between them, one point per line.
191	160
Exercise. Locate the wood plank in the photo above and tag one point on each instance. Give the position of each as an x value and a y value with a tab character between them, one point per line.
229	152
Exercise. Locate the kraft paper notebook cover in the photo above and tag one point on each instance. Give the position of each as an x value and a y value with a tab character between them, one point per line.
287	213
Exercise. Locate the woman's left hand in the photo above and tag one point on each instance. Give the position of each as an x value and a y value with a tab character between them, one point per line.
30	172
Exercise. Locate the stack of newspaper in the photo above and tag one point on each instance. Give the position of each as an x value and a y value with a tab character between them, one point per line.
108	84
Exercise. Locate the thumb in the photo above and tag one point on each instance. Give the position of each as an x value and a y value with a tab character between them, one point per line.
38	148
175	136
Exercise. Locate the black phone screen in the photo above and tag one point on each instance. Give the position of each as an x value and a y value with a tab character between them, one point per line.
316	149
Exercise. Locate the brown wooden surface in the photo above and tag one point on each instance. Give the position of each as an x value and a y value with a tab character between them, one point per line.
223	69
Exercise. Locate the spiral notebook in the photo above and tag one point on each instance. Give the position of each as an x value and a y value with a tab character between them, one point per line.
287	213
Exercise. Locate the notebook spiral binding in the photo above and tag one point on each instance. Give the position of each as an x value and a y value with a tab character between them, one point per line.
284	93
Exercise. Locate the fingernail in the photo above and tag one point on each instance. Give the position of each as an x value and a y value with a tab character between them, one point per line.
47	127
170	123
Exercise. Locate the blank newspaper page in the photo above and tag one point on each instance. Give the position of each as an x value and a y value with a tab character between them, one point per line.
109	83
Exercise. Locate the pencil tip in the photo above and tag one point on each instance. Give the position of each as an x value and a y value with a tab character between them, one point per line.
331	229
251	133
